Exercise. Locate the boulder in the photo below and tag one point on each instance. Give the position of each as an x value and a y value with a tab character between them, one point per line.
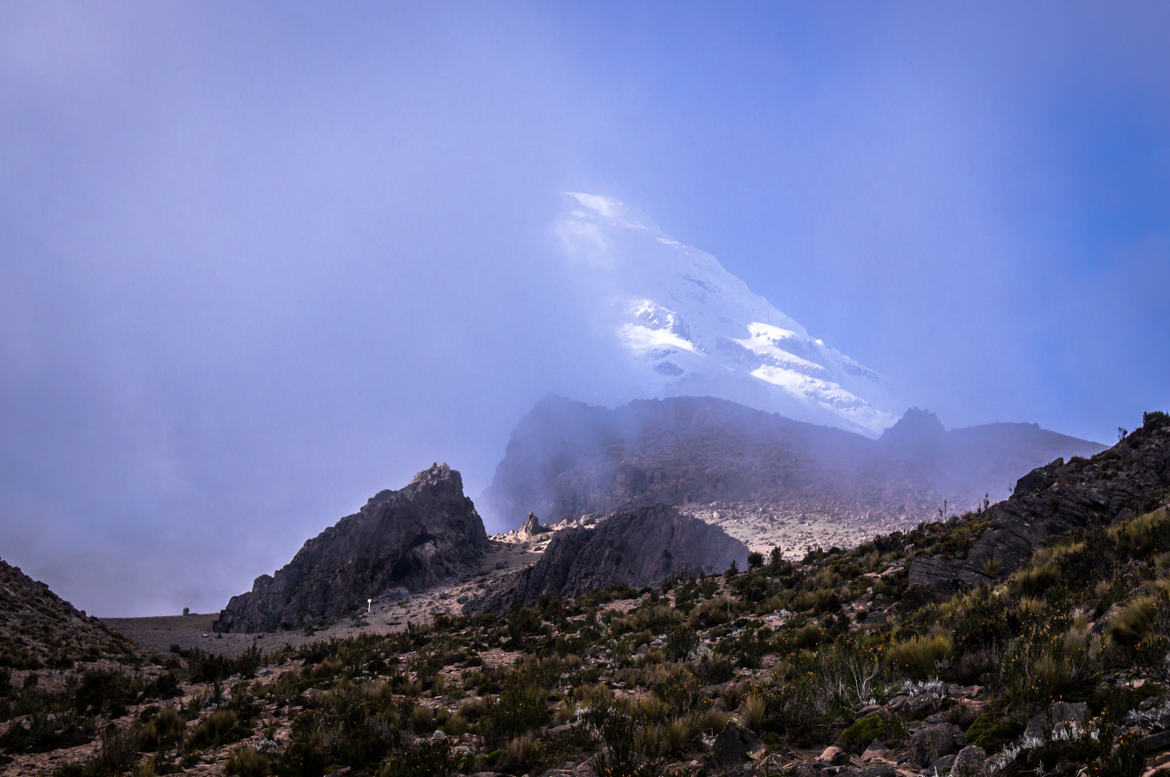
1061	715
637	548
733	744
970	762
932	741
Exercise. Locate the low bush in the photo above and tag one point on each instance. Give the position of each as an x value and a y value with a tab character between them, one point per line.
1133	621
991	730
429	758
220	728
920	656
247	761
519	708
865	730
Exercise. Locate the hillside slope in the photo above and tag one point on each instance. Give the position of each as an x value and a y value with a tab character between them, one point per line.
39	628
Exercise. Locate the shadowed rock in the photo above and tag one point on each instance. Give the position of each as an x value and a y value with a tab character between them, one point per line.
1130	478
636	548
426	533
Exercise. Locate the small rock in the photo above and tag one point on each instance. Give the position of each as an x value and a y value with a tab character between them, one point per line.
832	755
438	734
1155	742
877	770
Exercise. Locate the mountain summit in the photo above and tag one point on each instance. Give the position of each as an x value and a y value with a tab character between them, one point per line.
690	327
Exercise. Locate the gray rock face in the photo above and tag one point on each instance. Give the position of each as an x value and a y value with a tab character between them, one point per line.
932	741
637	548
1129	479
733	745
413	538
970	762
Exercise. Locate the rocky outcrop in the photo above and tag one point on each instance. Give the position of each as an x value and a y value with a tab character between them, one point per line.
532	526
636	548
409	539
1130	478
566	459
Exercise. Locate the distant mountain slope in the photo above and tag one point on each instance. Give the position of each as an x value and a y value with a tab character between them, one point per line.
423	534
566	458
690	327
39	628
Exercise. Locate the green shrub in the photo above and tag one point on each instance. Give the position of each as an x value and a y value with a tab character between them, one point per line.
101	691
620	756
1144	535
865	730
220	728
1133	621
992	730
115	755
920	656
1035	580
305	754
163	729
429	758
808	635
43	732
519	708
1154	419
247	761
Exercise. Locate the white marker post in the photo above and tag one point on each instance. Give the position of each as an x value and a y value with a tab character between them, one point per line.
369	605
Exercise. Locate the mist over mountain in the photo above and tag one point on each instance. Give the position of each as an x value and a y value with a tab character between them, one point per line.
566	458
687	326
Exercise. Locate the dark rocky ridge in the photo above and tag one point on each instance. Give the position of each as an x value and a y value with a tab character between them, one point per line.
423	534
39	628
566	458
1130	478
637	548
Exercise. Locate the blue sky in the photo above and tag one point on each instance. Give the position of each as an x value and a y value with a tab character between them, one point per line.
260	262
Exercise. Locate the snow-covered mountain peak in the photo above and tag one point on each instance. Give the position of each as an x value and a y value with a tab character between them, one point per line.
691	327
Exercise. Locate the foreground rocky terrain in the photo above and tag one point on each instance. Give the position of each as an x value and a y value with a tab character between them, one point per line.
709	456
837	664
